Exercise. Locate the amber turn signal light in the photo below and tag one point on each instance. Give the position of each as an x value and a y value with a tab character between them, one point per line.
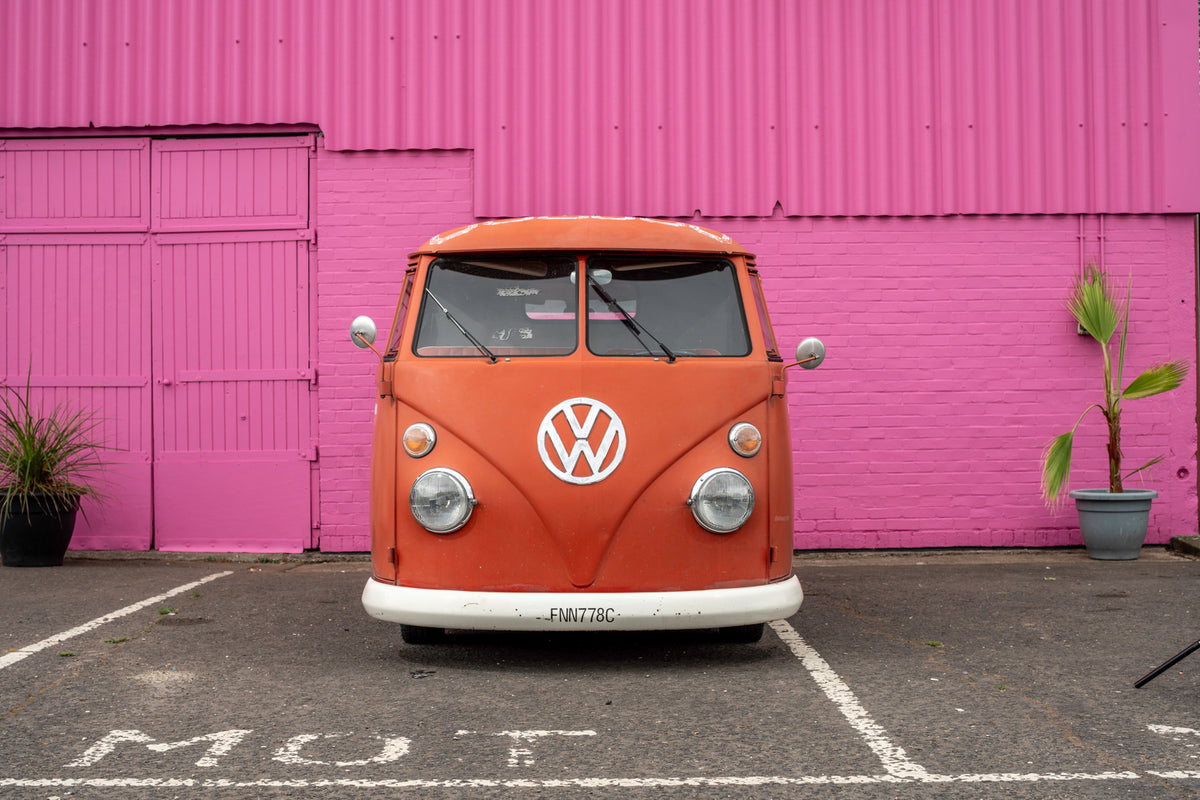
745	439
419	440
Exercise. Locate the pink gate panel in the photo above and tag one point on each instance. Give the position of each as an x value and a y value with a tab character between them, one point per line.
164	286
234	449
75	308
75	327
233	439
231	184
74	185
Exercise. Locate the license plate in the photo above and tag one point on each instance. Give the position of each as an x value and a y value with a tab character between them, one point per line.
585	614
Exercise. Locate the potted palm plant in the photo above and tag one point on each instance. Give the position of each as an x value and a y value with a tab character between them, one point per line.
46	464
1113	522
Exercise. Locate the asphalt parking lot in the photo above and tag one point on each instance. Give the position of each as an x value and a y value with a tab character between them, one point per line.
960	674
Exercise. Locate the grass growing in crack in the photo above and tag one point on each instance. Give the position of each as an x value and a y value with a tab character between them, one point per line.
166	610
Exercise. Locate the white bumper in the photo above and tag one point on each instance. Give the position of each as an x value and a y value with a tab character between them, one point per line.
577	611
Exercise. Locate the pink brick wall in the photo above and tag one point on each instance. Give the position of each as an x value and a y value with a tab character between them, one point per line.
951	358
951	362
373	209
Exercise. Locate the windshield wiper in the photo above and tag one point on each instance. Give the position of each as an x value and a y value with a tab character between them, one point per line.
463	330
633	325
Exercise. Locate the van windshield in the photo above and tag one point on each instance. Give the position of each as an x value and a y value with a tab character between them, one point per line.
667	307
512	306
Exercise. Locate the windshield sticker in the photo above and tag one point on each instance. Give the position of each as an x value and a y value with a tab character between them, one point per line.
517	291
508	334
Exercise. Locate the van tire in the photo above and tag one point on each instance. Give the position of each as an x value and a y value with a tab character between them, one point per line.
415	634
742	634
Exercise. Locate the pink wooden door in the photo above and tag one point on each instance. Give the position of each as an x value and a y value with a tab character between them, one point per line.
233	411
75	307
165	286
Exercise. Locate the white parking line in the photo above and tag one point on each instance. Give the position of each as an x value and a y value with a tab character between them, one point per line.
895	761
552	783
8	659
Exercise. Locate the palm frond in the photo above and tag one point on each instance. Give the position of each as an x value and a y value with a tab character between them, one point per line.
1157	379
1092	304
1056	467
1147	465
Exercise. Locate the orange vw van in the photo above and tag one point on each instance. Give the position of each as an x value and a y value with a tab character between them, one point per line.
581	424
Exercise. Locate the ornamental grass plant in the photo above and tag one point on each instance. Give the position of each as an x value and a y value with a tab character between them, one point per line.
47	460
1098	311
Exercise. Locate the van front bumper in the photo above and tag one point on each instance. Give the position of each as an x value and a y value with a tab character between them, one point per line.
577	611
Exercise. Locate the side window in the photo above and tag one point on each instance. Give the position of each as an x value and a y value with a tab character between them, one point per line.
401	314
760	304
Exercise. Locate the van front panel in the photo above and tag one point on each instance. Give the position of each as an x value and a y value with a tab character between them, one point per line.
535	530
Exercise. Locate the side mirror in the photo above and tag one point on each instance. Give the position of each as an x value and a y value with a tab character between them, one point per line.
363	332
810	353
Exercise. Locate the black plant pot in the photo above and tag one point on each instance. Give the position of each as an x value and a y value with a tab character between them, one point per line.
38	538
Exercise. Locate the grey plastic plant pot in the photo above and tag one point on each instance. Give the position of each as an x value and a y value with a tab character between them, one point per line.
1113	525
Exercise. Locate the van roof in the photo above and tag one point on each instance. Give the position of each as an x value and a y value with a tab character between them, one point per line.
580	234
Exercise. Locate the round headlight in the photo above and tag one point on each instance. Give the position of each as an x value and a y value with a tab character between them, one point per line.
441	500
419	440
745	439
722	500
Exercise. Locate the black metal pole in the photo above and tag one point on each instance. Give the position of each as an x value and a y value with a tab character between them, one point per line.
1166	665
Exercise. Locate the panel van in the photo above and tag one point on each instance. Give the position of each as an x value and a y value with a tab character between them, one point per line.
581	424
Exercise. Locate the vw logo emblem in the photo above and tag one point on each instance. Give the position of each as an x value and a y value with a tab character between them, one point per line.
581	429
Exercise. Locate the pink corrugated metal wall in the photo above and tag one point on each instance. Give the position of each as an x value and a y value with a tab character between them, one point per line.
375	74
859	107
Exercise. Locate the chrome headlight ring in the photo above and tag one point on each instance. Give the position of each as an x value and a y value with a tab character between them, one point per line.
722	500
441	500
